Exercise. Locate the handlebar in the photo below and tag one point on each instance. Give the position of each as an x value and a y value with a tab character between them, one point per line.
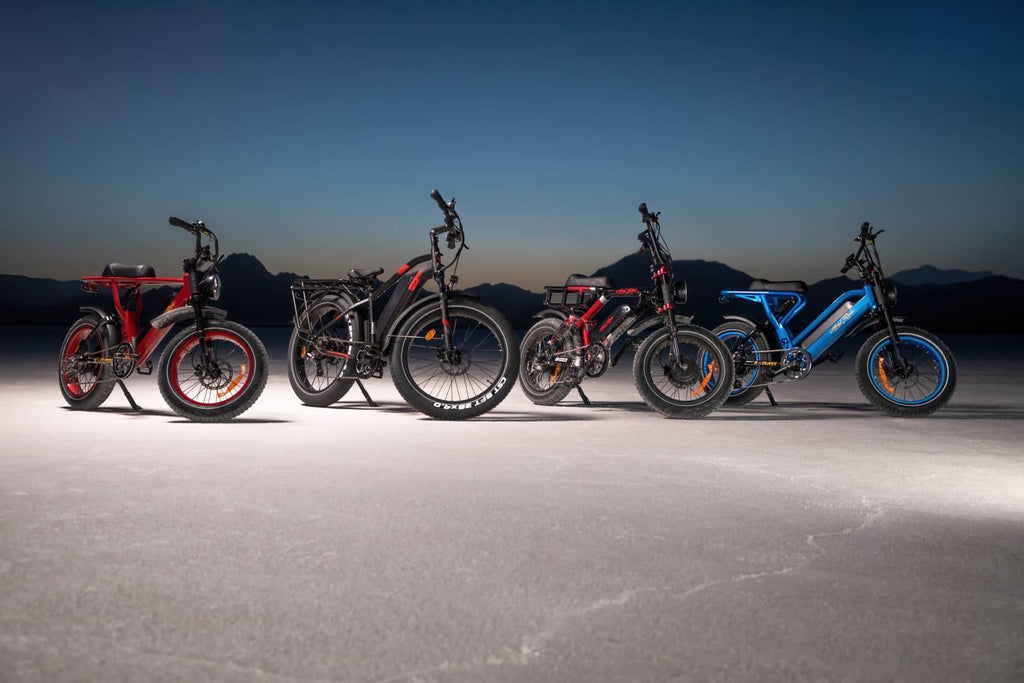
178	223
198	229
448	209
645	216
436	196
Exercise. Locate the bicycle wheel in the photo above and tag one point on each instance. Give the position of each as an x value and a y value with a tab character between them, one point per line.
217	389
320	351
748	348
85	381
692	387
474	377
545	373
926	385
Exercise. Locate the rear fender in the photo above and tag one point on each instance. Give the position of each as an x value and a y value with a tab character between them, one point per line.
768	333
551	313
110	327
344	301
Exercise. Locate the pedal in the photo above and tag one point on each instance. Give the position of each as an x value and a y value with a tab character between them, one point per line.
146	369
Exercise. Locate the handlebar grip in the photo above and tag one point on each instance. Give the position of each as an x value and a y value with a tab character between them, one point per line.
850	263
643	211
178	223
436	196
865	229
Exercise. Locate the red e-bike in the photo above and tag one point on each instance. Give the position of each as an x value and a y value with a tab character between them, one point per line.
211	371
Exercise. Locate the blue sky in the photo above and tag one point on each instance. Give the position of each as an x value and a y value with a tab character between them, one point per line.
310	133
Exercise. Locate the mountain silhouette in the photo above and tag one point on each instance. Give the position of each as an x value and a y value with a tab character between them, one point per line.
930	275
254	296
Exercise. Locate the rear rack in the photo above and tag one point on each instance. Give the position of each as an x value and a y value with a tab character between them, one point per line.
305	292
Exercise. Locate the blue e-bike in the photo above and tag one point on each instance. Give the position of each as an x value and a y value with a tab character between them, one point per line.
905	371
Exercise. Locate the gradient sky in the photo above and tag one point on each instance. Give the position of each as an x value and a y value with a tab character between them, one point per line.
310	133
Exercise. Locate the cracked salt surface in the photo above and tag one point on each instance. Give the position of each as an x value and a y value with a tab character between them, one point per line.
817	540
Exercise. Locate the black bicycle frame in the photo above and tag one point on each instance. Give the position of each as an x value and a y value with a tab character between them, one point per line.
408	281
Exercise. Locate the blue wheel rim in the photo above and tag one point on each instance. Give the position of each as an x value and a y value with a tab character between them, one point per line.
930	367
752	377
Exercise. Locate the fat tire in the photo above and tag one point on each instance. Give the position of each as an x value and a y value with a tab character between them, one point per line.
460	409
105	378
700	407
237	405
746	394
542	397
300	385
866	359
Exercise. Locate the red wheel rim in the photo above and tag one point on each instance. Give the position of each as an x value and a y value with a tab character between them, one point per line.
241	374
71	383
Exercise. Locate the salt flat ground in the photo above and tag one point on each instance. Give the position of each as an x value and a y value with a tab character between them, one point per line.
820	540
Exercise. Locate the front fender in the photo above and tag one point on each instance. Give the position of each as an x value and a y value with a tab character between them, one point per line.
645	325
179	315
423	303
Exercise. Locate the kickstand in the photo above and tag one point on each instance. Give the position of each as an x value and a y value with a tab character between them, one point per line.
586	401
771	398
369	401
127	395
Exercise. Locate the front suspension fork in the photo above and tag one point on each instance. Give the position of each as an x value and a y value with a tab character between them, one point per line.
446	328
899	362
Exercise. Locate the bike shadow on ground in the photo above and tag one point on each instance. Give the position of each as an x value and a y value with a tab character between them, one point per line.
813	410
809	410
497	416
150	412
522	416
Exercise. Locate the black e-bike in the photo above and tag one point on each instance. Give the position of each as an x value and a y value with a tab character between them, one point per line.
680	369
451	357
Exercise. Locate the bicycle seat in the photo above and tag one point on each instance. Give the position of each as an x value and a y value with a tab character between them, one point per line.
577	280
365	273
797	286
121	270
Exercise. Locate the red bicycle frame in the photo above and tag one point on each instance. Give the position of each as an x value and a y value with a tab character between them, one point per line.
586	321
130	317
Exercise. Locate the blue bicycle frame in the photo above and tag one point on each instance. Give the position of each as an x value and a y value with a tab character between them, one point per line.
864	304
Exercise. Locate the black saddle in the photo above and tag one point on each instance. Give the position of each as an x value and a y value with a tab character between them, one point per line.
797	286
121	270
365	273
577	280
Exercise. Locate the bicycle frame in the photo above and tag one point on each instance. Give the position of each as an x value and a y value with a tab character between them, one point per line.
622	321
864	304
130	316
408	281
608	333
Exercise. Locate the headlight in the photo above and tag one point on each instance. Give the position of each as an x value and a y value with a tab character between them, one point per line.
210	287
680	293
890	293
